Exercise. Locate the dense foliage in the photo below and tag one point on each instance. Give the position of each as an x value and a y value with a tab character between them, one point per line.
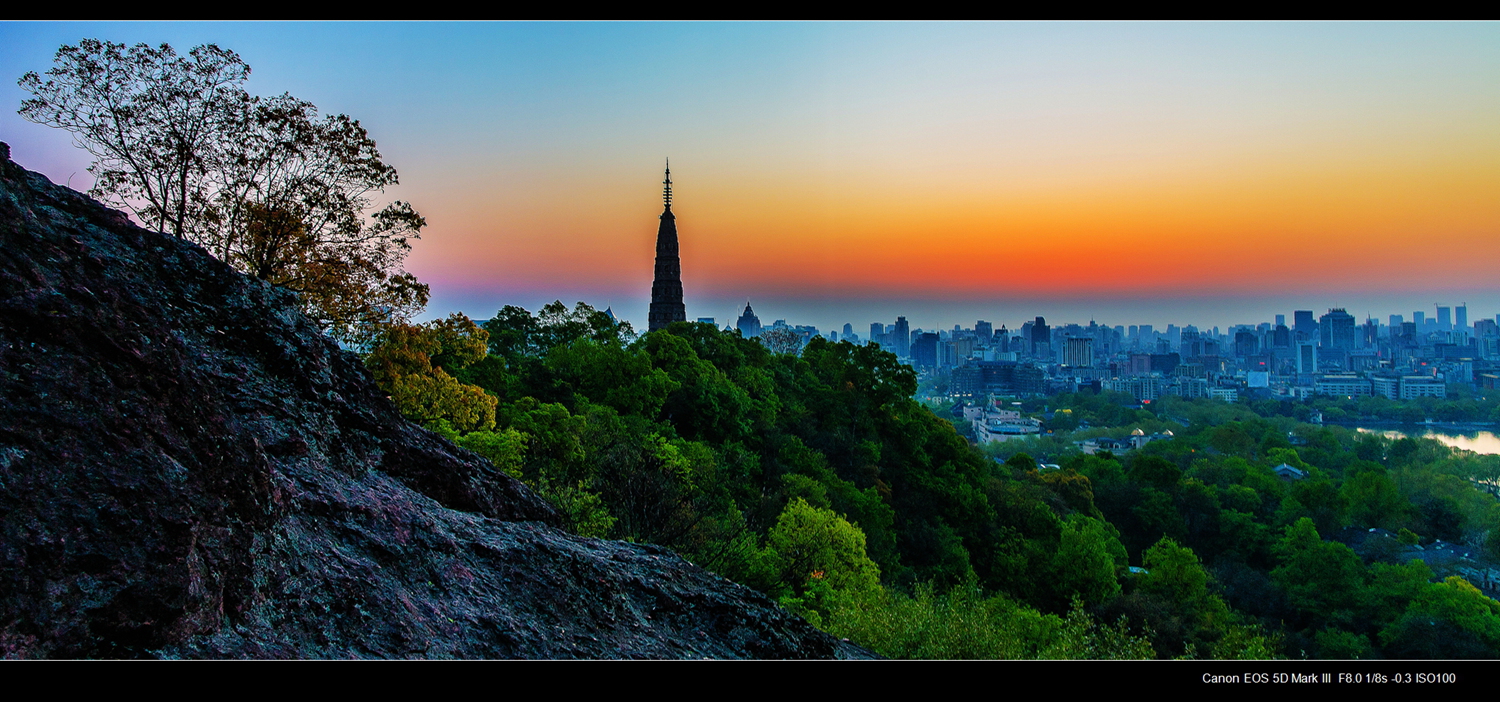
816	478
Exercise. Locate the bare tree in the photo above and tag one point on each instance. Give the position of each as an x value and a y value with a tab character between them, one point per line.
152	120
781	340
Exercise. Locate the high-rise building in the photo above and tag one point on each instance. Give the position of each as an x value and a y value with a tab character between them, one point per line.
748	323
1307	357
1281	337
901	338
1280	320
1461	317
1337	330
1078	352
1419	318
1041	336
1445	318
1191	345
1304	328
924	349
1246	343
984	330
666	290
1369	333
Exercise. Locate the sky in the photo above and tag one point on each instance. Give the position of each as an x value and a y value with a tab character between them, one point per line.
1130	173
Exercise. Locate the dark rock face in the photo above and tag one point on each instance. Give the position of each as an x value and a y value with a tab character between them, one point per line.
188	468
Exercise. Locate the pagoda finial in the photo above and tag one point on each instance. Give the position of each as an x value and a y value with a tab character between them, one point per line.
666	192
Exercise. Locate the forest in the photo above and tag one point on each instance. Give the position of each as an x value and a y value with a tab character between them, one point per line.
814	477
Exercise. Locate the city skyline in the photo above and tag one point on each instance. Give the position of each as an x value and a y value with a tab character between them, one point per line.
830	173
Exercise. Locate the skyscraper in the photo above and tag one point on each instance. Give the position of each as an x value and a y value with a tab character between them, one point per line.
1303	326
666	291
1041	337
984	330
1337	329
1246	343
1078	352
1307	357
1461	317
924	349
901	338
748	323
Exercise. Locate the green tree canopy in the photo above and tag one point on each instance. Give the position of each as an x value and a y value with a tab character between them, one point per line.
812	544
402	363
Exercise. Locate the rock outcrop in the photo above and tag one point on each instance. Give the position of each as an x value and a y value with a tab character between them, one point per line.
189	468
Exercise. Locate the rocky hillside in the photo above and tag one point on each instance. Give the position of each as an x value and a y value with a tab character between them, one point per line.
188	468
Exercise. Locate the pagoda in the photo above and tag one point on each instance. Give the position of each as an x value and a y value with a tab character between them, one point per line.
666	290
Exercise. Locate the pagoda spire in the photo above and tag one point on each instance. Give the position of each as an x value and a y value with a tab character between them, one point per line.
666	187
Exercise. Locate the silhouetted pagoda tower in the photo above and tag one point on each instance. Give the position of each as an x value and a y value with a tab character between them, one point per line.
666	291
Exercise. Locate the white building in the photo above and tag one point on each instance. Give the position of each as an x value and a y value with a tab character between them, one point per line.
1000	425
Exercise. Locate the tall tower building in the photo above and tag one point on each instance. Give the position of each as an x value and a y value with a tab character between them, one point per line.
1041	337
1078	352
1307	357
1304	327
1337	329
748	323
666	291
984	330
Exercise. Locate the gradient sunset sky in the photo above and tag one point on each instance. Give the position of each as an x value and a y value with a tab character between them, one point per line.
1190	173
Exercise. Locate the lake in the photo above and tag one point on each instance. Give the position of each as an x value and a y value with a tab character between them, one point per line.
1476	441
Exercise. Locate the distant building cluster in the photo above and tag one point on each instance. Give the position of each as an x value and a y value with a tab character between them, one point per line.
1329	354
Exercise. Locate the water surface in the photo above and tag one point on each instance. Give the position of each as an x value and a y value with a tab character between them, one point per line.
1476	441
